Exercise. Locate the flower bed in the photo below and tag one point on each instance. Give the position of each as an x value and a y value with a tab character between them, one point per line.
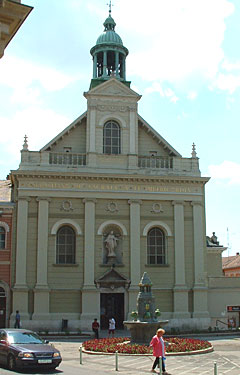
122	345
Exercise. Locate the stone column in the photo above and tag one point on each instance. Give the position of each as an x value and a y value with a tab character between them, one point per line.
180	289
105	64
124	67
135	251
41	291
200	305
95	66
117	63
90	295
20	290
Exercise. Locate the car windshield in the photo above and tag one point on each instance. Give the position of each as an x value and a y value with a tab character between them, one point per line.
24	338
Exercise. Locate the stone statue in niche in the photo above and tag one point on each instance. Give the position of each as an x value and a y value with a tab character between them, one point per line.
111	244
112	247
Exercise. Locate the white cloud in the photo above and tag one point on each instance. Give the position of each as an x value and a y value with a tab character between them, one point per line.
40	125
226	82
229	66
228	170
168	92
179	39
21	75
192	95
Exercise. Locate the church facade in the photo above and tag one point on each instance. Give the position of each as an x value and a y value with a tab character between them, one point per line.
104	201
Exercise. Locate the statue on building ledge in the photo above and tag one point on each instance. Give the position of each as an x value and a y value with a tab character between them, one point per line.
212	241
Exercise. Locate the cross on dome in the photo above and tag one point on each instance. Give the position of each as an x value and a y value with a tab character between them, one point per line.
110	7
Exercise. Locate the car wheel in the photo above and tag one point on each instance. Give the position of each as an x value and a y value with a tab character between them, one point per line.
11	362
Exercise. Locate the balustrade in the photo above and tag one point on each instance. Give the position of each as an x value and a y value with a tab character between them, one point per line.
156	162
66	158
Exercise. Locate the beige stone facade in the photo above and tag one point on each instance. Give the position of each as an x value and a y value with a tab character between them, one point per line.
76	191
12	16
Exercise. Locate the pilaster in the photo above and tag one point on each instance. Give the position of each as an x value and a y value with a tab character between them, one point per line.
20	290
21	248
133	127
92	128
41	291
89	245
200	305
135	243
90	295
180	289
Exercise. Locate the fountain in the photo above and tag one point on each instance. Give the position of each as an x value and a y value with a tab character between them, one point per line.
145	320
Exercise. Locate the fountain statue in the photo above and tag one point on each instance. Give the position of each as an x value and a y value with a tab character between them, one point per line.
145	319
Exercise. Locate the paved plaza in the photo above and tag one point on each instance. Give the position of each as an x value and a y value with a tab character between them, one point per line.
226	354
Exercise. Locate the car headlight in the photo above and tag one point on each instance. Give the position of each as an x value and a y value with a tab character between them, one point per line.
25	355
57	354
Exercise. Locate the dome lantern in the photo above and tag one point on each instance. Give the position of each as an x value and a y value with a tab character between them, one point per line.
109	55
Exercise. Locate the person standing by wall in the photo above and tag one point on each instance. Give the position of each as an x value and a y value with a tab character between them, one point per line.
17	320
112	326
95	328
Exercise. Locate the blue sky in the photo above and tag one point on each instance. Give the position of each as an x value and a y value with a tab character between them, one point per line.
184	59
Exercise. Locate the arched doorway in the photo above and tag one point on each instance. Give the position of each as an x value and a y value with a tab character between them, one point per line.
2	308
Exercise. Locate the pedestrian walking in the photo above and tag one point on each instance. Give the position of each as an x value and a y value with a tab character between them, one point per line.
158	345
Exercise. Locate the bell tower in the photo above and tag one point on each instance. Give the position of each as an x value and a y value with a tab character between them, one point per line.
109	55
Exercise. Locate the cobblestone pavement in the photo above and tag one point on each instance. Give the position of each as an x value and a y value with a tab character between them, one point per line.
226	354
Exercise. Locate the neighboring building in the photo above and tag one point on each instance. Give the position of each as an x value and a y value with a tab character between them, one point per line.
107	199
6	214
231	265
12	16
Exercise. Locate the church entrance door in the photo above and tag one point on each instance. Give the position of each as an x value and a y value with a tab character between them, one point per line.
112	305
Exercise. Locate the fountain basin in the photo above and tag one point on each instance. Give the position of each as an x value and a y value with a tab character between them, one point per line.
142	332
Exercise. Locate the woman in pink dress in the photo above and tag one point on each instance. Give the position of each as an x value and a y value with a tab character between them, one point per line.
158	345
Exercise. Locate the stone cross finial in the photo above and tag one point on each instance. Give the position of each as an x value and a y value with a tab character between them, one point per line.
194	154
25	143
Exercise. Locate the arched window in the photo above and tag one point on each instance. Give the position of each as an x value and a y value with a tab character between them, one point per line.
66	245
156	249
2	238
111	138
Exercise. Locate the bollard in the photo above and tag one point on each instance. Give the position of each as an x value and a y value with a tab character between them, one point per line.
80	350
160	365
116	360
215	368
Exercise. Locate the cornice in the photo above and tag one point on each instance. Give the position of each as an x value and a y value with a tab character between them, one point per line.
111	178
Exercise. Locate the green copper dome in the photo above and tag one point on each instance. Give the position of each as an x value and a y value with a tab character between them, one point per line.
109	35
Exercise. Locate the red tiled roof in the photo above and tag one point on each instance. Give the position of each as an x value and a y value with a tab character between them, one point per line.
231	262
5	191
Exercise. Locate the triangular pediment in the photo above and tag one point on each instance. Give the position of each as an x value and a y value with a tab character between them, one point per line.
65	132
113	87
112	279
157	137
